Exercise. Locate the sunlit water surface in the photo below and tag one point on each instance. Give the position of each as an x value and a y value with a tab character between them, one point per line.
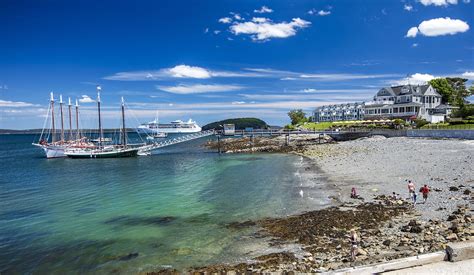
172	208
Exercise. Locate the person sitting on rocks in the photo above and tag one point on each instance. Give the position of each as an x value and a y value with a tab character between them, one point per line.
354	241
425	190
354	193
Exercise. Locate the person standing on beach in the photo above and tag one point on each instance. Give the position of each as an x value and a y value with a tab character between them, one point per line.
411	189
414	198
354	241
425	190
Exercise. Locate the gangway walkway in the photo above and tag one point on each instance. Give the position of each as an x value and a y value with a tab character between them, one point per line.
146	149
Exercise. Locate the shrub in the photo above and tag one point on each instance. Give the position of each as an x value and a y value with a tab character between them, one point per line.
420	122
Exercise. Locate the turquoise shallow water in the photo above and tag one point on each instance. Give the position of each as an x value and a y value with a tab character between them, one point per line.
82	216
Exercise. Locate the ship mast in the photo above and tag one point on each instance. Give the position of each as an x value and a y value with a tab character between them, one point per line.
53	129
124	133
62	118
70	118
101	133
78	134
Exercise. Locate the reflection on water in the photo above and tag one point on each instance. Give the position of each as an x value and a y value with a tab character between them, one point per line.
138	214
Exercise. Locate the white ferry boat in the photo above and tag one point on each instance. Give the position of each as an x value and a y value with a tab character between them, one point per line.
177	126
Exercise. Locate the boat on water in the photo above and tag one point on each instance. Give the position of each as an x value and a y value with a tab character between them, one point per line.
48	141
102	150
177	126
157	135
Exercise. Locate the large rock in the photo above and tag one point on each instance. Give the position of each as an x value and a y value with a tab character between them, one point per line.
361	251
460	251
452	237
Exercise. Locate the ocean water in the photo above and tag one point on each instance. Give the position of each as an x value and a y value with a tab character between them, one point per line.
172	208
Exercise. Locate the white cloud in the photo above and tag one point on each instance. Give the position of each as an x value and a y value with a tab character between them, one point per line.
468	75
408	7
412	32
260	20
238	102
320	13
14	104
199	88
238	17
225	20
439	26
206	30
185	71
267	30
340	77
179	71
415	79
217	32
414	45
86	99
323	13
438	2
264	9
310	90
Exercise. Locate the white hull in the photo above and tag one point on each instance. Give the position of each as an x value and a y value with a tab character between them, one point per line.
168	130
53	151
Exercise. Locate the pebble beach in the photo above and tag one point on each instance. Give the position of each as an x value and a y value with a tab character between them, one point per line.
380	165
389	224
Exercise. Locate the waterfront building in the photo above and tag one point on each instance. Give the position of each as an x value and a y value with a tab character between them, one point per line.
339	112
406	102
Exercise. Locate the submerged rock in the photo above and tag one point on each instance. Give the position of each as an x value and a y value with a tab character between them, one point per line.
129	256
134	221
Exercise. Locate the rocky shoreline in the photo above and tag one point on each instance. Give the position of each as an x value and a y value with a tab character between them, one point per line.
389	225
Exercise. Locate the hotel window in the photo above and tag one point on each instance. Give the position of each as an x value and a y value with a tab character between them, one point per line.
402	109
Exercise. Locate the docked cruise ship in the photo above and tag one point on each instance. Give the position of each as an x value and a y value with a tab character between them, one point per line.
177	126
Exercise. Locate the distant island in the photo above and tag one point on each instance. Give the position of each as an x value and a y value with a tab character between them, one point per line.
240	124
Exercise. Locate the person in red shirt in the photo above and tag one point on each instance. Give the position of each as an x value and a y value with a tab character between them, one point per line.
425	190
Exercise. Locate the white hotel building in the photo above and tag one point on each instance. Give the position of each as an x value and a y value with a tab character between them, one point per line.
405	102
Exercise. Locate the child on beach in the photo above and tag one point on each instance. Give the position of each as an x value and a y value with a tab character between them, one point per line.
354	193
425	190
354	240
411	189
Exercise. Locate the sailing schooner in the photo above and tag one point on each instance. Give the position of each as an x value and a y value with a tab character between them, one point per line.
102	150
55	148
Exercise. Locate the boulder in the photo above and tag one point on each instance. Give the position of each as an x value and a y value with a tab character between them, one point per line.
361	251
387	242
452	237
460	251
416	229
453	188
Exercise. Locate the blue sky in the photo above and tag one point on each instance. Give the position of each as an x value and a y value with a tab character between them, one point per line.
210	60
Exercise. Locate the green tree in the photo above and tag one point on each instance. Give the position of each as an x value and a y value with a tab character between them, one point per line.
297	116
444	88
452	89
460	90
